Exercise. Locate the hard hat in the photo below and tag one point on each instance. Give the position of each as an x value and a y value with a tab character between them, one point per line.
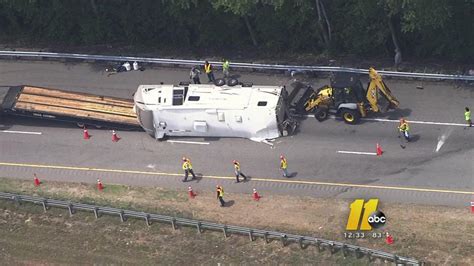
281	156
234	161
184	158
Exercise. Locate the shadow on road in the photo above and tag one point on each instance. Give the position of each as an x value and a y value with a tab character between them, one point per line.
398	113
198	177
229	203
249	178
414	137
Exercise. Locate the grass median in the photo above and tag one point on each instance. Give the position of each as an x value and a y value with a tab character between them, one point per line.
429	233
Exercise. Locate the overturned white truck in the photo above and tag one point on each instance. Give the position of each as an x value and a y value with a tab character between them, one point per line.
258	113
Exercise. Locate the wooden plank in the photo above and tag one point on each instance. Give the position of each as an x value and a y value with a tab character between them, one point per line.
77	96
86	106
73	95
56	110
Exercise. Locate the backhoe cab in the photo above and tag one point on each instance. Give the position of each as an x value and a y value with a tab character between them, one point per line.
345	97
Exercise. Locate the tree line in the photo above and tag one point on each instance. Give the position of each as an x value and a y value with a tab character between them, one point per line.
401	28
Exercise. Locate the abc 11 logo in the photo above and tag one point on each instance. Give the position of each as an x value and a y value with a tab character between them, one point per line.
364	216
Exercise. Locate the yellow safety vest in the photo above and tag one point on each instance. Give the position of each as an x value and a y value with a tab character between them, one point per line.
237	166
207	68
220	190
283	164
467	115
226	65
404	127
187	165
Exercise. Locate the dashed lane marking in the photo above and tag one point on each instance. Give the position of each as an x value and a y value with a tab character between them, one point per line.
270	180
357	152
20	132
188	142
415	122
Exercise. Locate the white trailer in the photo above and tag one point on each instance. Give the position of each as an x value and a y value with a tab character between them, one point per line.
189	110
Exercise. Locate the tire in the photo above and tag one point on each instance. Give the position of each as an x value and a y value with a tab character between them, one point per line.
321	114
81	125
219	82
350	116
232	82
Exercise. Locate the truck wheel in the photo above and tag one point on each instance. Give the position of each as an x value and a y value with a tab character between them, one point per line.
350	116
321	114
81	125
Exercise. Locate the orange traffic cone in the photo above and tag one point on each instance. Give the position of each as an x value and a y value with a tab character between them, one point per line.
100	187
389	239
255	195
115	138
37	181
378	149
191	193
86	134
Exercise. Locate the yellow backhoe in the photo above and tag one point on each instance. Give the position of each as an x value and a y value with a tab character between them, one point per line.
345	97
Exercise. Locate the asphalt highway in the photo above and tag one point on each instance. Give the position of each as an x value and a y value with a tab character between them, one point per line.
436	168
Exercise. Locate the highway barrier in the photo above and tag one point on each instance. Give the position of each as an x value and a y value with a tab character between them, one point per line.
275	67
252	233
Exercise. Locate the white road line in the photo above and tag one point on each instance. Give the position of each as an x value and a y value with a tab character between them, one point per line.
21	132
357	152
415	122
188	142
397	121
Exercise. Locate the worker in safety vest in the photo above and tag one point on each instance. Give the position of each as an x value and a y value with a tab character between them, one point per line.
404	129
284	166
225	68
467	116
209	71
220	195
194	75
238	172
188	168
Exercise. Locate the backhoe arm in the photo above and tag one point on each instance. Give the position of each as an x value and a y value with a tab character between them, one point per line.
376	84
323	97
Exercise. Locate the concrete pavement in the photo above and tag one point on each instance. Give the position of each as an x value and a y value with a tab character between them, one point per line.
312	152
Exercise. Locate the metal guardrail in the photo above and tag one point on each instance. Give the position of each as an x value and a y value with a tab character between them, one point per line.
178	62
303	241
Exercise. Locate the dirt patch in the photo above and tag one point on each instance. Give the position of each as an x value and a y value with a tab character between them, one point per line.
438	235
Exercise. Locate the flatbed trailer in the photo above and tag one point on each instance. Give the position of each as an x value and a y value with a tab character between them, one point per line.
75	107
